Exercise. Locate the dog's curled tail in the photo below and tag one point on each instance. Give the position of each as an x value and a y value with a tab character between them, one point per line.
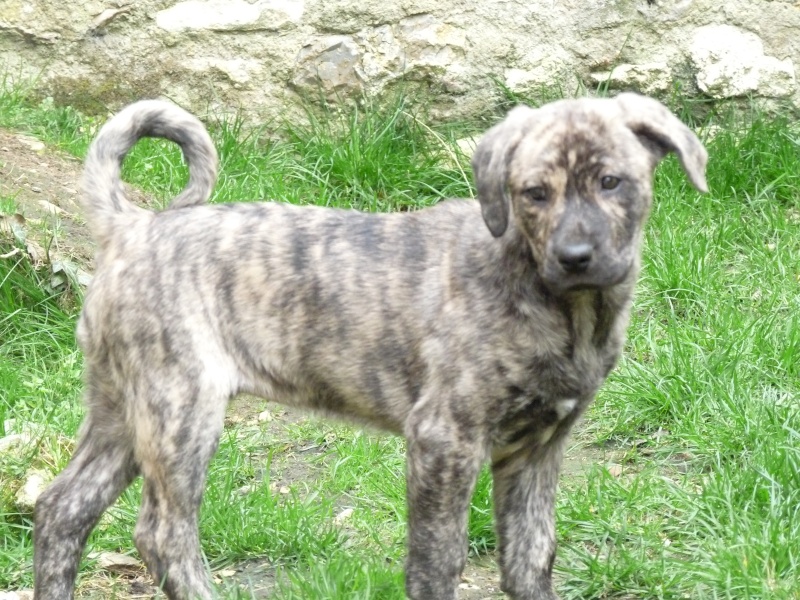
104	198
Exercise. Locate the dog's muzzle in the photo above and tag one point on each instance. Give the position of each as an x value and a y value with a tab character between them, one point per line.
582	265
575	258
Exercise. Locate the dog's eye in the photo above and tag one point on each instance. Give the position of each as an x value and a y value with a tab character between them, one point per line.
609	182
536	194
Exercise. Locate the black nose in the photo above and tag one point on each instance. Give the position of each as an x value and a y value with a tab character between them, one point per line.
575	258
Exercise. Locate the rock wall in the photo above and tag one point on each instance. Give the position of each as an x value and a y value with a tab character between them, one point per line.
260	55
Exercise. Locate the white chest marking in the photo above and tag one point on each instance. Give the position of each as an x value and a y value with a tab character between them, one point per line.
565	407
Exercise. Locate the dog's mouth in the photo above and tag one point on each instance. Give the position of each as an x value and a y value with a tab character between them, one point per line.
594	277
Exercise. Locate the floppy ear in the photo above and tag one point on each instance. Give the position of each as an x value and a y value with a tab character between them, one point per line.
663	132
490	167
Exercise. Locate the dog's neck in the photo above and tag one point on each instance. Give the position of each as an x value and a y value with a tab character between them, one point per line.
597	317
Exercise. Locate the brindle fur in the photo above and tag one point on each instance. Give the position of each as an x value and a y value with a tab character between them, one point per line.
468	327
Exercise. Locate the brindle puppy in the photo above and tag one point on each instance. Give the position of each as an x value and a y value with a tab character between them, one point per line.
479	330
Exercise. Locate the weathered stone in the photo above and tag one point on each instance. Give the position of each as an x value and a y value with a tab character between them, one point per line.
425	30
343	516
435	51
230	15
236	71
665	12
467	146
538	67
330	64
776	78
647	78
731	62
346	16
383	57
530	80
430	42
108	15
254	56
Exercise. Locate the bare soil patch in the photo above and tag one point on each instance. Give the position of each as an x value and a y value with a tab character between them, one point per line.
45	185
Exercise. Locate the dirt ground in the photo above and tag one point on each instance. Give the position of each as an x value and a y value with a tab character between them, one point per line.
45	184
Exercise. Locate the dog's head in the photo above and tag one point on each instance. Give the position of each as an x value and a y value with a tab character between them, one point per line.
576	176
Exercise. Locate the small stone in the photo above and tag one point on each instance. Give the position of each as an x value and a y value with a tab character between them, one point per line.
614	470
343	516
114	562
31	143
14	440
34	485
264	417
18	595
467	145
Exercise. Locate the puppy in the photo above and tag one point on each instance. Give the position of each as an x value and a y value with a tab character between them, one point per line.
480	330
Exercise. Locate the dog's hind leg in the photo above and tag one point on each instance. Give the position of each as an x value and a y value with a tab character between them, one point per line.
178	430
66	512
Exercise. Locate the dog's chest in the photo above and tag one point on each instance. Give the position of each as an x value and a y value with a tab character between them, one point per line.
541	391
532	409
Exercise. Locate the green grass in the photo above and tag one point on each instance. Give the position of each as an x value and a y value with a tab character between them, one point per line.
376	157
39	382
702	414
711	382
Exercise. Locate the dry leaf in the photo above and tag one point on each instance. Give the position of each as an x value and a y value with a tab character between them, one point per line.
15	225
51	208
37	253
66	270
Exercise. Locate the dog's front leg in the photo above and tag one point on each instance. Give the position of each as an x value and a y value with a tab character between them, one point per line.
442	466
524	498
